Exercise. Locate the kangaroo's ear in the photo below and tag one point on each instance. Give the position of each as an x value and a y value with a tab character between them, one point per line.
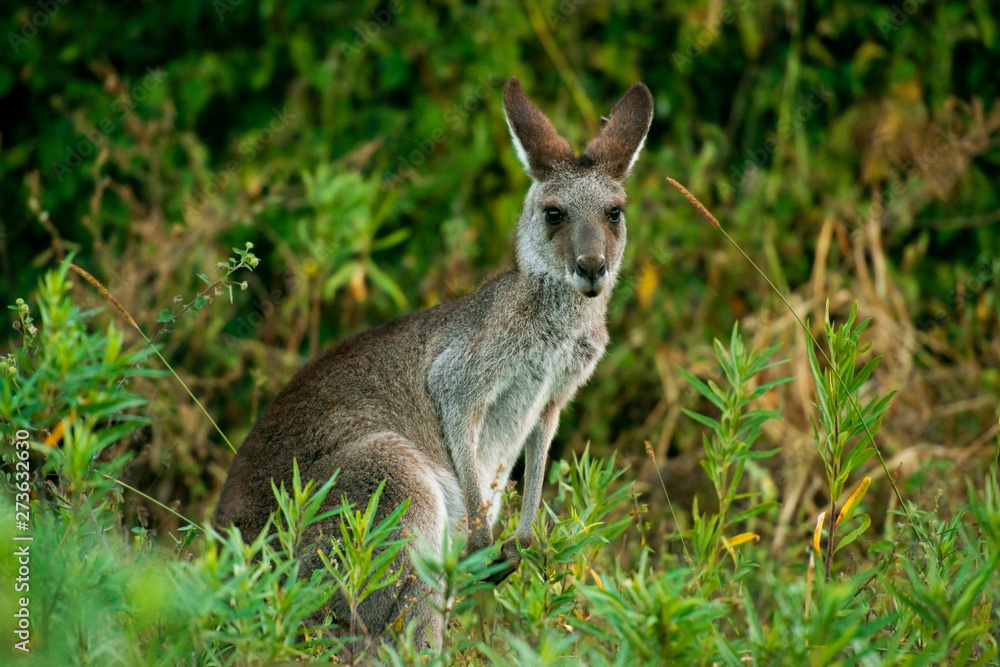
539	147
616	148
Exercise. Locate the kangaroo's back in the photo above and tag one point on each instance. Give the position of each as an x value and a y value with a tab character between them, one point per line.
372	382
439	404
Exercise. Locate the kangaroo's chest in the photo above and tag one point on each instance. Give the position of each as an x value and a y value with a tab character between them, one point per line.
534	376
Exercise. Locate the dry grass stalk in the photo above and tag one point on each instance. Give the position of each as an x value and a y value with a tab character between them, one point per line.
105	292
694	202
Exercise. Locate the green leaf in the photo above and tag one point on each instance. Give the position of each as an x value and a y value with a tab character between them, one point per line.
866	521
755	454
858	457
754	630
767	386
962	607
751	512
702	419
338	279
702	389
863	375
386	283
393	239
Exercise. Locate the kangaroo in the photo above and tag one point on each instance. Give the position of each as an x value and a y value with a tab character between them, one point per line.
440	403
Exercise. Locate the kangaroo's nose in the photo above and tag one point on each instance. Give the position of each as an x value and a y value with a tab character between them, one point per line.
591	267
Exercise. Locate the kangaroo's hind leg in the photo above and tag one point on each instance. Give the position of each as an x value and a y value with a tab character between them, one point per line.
408	475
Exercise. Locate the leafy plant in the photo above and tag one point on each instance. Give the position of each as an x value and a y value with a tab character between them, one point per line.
67	386
361	559
730	446
647	617
845	430
244	259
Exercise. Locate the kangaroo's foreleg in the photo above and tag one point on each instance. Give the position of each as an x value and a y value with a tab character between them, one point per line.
535	454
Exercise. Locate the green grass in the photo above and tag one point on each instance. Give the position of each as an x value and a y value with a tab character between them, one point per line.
604	584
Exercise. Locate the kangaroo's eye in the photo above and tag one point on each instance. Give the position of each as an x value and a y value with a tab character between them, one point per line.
615	214
553	216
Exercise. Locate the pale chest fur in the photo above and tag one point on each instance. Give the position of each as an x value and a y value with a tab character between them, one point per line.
524	360
531	380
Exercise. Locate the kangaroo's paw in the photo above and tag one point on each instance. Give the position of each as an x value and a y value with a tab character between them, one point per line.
510	556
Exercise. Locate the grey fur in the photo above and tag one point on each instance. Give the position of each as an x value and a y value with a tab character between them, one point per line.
442	402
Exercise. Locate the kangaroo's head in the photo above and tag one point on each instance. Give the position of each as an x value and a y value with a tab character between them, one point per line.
573	223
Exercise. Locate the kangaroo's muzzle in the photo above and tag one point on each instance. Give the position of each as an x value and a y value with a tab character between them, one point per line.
591	274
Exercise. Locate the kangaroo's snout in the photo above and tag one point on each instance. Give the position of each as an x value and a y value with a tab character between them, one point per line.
591	272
